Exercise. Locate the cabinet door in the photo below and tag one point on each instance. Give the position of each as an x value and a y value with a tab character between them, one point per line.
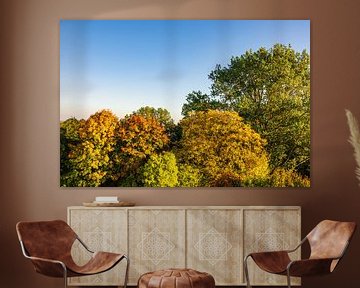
270	230
156	240
214	244
100	230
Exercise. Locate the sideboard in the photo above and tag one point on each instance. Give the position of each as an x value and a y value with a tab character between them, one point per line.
213	239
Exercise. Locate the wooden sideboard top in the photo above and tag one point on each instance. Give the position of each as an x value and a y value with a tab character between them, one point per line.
193	207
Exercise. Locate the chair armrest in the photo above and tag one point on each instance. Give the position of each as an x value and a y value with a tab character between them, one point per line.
309	267
83	244
280	251
49	267
298	246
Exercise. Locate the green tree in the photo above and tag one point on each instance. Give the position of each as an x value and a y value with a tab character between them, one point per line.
198	101
91	159
138	139
160	171
223	148
270	89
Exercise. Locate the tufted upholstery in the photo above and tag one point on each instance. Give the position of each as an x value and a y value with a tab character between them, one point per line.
176	278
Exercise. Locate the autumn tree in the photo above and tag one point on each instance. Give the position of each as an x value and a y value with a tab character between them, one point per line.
270	89
160	171
161	115
91	159
188	176
138	138
69	138
282	177
227	151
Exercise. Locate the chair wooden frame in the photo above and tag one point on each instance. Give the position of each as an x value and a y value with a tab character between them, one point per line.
59	268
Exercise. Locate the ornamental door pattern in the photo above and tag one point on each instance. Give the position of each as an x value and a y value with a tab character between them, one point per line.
208	239
100	230
271	230
214	241
156	240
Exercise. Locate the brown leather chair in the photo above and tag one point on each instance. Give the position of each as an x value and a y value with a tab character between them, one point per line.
328	242
48	245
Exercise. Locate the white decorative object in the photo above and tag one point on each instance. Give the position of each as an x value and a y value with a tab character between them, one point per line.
106	199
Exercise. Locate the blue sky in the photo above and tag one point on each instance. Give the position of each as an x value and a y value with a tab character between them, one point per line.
123	65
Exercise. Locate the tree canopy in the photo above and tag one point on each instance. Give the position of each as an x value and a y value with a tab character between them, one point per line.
91	160
270	89
251	129
160	171
225	149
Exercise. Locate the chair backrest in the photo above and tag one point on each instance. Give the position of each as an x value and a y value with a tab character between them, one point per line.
329	239
46	239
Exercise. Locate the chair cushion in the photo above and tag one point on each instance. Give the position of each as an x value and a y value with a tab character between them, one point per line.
176	278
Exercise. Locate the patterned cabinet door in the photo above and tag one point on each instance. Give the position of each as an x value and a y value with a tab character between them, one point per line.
214	244
156	240
101	230
269	230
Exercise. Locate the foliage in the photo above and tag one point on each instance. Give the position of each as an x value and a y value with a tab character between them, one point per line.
188	176
91	158
161	115
270	89
251	129
288	178
160	171
140	136
138	139
69	137
198	101
219	143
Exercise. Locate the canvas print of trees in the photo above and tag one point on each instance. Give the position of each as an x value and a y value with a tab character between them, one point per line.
180	103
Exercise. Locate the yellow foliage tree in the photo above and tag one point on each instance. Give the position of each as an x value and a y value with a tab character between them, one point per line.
282	177
226	151
91	159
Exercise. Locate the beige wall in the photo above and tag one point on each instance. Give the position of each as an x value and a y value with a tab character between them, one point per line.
29	118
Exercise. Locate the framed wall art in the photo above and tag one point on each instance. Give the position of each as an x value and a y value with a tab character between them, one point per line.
185	103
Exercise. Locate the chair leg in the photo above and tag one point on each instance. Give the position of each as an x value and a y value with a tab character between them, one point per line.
288	278
246	272
65	276
127	271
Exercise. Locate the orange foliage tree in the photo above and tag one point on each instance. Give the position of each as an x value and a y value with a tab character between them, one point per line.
139	137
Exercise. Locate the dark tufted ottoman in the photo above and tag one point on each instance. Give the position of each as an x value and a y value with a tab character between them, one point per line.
176	278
